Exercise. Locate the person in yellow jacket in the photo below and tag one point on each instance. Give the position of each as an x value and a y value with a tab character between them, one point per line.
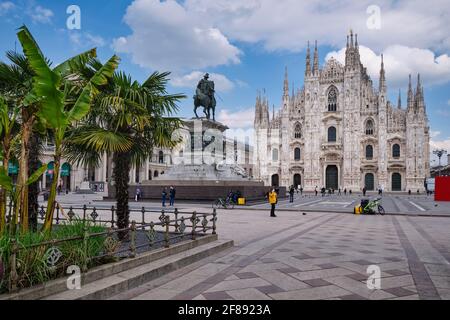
273	199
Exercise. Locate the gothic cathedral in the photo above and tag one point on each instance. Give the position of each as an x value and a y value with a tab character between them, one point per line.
340	132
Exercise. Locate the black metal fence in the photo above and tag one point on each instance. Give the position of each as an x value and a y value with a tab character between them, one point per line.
171	224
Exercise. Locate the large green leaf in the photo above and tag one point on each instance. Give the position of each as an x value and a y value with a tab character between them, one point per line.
45	83
5	180
36	175
83	103
65	68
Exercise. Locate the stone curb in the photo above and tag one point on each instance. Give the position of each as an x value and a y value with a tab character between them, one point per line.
59	285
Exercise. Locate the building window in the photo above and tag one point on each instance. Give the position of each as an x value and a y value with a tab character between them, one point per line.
161	157
369	127
298	131
396	151
332	99
275	154
297	154
331	134
369	152
155	174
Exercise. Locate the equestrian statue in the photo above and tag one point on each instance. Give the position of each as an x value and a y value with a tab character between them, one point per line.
204	97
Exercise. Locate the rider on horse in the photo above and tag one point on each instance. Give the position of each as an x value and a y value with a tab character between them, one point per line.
204	96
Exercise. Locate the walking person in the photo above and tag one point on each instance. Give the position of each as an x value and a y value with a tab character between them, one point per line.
364	191
291	194
339	191
315	190
138	194
172	192
163	197
273	199
345	191
301	190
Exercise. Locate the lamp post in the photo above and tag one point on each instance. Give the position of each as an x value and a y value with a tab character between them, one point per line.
439	154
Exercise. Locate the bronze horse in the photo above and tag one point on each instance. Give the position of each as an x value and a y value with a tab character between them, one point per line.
207	101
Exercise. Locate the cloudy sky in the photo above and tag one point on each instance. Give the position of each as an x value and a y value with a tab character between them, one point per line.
245	45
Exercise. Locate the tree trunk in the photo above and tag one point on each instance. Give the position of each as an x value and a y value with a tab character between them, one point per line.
121	173
22	202
3	196
33	189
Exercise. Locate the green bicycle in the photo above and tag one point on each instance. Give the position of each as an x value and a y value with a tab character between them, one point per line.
372	206
227	203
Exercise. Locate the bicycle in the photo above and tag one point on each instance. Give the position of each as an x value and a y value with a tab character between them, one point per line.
370	206
227	203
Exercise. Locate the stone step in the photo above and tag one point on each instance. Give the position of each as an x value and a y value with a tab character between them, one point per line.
132	278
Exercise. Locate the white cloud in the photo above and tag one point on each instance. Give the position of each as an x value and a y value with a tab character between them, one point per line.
288	24
400	61
434	134
86	40
5	7
241	119
166	36
40	14
221	82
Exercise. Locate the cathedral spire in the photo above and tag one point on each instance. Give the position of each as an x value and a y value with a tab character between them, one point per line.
258	109
382	87
308	62
410	101
351	38
356	40
286	83
399	104
316	60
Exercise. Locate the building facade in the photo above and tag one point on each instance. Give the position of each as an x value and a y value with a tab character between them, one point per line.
338	131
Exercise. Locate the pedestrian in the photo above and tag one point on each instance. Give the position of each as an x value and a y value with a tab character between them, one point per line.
138	194
339	191
364	191
164	195
291	193
315	190
301	190
59	189
273	199
345	191
323	191
350	192
172	192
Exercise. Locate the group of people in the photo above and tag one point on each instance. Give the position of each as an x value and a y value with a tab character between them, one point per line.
164	194
292	190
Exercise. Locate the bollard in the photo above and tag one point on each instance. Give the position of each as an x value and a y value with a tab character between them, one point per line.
143	217
133	239
84	212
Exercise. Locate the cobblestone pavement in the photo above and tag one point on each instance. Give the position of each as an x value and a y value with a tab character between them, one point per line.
315	256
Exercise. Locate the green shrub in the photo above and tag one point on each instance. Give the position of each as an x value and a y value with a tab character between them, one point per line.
31	263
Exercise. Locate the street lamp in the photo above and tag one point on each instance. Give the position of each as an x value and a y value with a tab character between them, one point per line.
439	154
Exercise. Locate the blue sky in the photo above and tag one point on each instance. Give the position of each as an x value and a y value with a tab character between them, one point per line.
245	45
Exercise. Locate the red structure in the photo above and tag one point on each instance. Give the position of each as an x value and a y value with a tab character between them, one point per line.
442	189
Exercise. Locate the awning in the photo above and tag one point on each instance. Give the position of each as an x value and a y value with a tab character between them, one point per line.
65	170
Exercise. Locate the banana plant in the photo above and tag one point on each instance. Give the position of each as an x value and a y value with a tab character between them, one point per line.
53	90
14	191
8	117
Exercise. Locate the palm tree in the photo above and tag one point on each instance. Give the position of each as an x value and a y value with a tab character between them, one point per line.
127	120
54	94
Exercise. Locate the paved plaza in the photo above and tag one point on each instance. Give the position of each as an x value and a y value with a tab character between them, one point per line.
315	256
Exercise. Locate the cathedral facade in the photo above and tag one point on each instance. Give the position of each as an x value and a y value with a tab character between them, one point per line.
338	131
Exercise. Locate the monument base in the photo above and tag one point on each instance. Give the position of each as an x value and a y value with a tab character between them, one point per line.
200	190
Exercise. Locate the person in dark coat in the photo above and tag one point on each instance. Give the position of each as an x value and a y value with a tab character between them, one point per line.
163	197
172	192
291	193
